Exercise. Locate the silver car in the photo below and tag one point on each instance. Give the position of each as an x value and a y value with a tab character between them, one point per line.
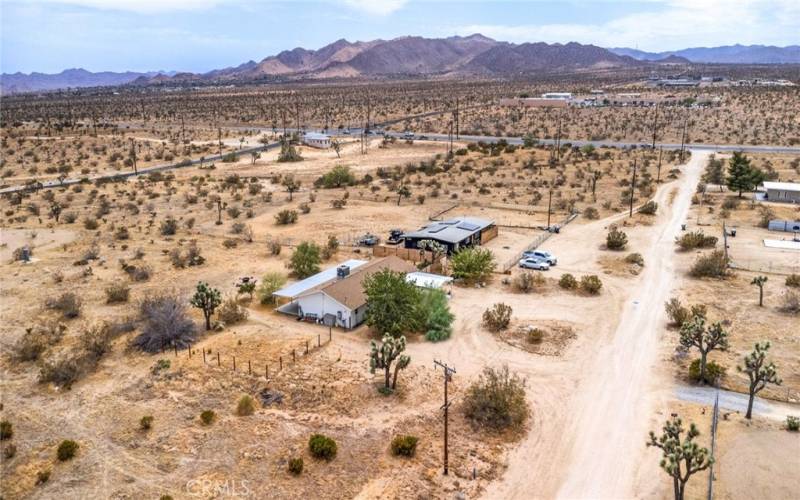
531	263
541	255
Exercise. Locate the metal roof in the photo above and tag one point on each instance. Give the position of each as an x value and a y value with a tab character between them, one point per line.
428	280
784	186
452	230
316	136
295	289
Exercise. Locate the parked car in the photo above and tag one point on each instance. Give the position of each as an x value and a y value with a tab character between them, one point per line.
368	240
408	135
541	255
537	264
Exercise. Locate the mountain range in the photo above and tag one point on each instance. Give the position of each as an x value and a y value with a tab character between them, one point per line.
413	56
728	54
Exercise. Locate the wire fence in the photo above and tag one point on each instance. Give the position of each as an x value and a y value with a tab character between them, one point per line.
760	266
541	238
268	369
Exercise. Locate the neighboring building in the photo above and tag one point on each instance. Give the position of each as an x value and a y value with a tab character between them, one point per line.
557	95
316	140
336	296
535	102
428	280
788	192
454	234
790	226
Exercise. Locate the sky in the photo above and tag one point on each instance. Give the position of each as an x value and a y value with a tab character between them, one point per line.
200	35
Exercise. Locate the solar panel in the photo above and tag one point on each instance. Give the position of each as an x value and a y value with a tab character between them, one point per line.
449	222
468	226
437	229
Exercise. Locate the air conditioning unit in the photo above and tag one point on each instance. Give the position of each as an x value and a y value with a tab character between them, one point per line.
343	271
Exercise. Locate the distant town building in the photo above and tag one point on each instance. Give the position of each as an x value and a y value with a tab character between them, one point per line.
557	95
316	140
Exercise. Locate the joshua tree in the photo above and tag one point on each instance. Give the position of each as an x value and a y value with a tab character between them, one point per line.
758	281
694	333
55	210
336	147
254	155
291	185
433	246
382	356
402	192
206	299
678	454
759	373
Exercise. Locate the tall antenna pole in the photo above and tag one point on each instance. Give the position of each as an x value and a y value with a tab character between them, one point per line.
655	127
457	113
448	372
633	187
683	135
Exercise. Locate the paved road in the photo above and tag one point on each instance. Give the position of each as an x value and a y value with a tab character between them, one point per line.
144	171
735	401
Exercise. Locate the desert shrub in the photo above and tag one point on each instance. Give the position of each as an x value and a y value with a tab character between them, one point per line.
246	406
90	223
338	176
305	208
68	304
188	257
790	302
591	213
616	239
159	366
288	153
568	282
526	281
635	258
696	239
730	203
165	323
649	208
117	293
714	372
497	317
270	283
96	339
793	280
64	370
37	339
146	422
678	314
169	226
792	423
711	265
534	335
305	260
591	284
296	465
6	430
496	400
404	445
69	217
42	476
136	273
231	312
286	217
238	227
230	243
274	247
67	450
9	451
322	446
208	417
472	265
122	233
338	203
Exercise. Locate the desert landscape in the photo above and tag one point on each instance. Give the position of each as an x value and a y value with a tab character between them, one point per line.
507	270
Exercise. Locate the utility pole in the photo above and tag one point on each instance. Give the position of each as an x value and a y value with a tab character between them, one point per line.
456	118
660	154
683	135
655	127
133	155
448	372
450	136
633	187
558	140
219	140
549	204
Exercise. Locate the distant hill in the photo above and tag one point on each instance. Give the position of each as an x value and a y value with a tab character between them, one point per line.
729	54
70	78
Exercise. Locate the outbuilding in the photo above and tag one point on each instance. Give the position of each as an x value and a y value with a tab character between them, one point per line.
787	192
454	234
316	140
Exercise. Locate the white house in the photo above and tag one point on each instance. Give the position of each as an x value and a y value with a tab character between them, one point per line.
336	296
315	140
788	192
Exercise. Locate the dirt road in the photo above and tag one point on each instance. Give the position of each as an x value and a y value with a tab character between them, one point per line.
592	410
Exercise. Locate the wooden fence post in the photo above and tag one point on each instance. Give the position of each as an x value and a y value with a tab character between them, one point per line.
234	363
219	363
266	371
249	368
176	349
204	355
294	357
280	363
306	346
318	340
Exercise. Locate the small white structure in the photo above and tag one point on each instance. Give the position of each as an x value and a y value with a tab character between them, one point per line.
788	192
557	95
428	280
316	140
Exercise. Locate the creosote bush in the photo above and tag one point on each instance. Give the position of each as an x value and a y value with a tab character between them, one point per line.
496	400
117	293
68	304
208	417
714	372
591	284
568	282
649	208
711	265
285	217
165	323
497	317
322	446
793	280
231	312
146	423
6	430
695	239
616	239
792	423
37	339
404	445
246	406
790	302
527	281
296	465
67	450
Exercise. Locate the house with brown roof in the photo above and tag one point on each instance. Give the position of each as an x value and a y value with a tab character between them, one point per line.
336	296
